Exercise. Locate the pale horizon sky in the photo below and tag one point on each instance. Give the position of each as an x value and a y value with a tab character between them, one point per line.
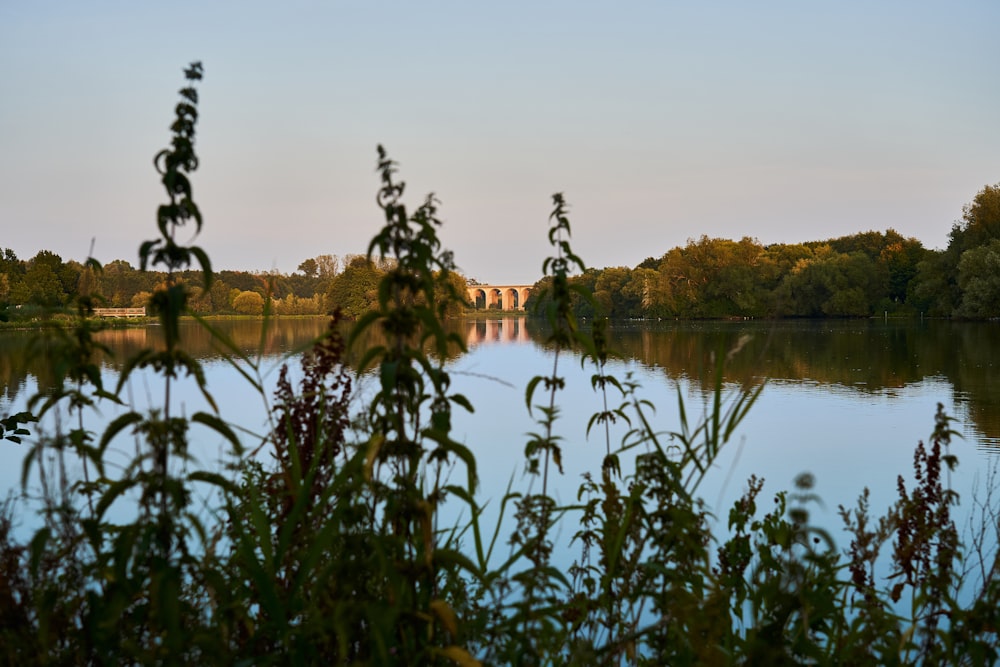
659	121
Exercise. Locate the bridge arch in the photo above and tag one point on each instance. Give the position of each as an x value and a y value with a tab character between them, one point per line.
502	297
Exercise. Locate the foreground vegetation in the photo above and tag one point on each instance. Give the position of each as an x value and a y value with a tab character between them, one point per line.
331	548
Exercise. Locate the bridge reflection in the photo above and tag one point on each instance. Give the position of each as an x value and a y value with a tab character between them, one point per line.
506	330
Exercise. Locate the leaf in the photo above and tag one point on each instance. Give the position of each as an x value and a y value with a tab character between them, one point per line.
444	613
116	426
203	260
112	494
219	426
460	399
215	479
529	391
37	548
374	446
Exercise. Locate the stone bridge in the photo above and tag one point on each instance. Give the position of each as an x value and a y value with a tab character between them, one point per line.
504	297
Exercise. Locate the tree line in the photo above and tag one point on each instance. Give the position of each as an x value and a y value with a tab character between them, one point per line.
860	275
47	283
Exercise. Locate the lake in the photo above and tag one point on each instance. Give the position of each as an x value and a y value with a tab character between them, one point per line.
845	400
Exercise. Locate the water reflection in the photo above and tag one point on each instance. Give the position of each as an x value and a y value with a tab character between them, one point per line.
504	330
859	356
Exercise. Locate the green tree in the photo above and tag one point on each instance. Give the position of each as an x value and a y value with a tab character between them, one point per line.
733	286
979	280
140	299
901	256
895	259
980	221
936	287
11	275
313	276
119	282
309	268
711	277
327	266
355	290
834	285
244	281
609	292
41	284
221	294
456	284
249	303
639	290
785	256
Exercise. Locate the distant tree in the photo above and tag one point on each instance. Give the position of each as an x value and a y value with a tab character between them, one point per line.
979	280
244	281
249	303
734	279
900	257
609	293
895	259
200	301
834	285
86	281
355	289
639	291
936	287
11	274
980	221
384	264
309	268
119	281
293	305
650	263
4	297
585	282
140	299
327	266
710	277
535	303
221	295
41	284
9	263
11	270
540	297
870	243
459	286
785	256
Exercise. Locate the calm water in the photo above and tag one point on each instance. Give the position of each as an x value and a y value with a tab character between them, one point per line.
846	401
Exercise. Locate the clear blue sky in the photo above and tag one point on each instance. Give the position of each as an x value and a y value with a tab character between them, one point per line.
660	121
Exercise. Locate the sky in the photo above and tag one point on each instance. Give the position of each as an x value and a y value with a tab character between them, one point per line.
659	121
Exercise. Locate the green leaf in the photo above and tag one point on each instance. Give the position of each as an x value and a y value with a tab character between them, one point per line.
529	391
460	399
116	427
114	491
203	261
219	426
215	479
